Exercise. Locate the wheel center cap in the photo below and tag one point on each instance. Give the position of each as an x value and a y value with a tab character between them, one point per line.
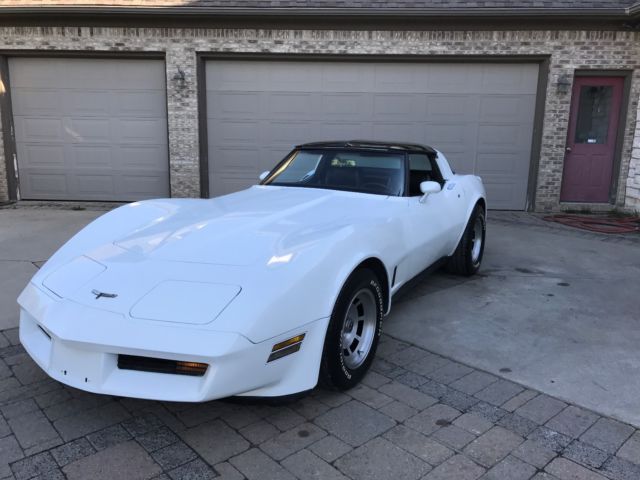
348	325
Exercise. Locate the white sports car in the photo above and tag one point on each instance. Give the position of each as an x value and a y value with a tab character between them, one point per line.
264	292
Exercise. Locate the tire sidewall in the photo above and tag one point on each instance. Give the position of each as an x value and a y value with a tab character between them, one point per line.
341	376
478	211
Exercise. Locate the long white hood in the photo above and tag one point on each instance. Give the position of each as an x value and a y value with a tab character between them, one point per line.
185	260
248	227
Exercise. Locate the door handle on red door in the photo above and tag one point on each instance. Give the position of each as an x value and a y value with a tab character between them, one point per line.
568	149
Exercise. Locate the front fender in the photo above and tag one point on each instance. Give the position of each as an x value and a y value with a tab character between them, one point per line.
112	224
283	296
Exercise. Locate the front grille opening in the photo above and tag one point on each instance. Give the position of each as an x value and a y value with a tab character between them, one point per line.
161	365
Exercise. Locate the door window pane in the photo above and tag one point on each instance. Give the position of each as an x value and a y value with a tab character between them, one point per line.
593	114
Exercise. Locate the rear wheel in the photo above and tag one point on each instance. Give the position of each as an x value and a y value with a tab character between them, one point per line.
353	332
467	258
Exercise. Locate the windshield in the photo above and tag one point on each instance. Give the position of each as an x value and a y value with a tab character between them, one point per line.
358	171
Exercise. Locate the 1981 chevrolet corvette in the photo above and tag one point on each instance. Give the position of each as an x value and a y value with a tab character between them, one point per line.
264	292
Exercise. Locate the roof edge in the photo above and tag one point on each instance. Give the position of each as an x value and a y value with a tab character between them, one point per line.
183	11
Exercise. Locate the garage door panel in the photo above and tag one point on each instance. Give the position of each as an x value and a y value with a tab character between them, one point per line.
398	131
143	75
138	104
83	125
39	129
395	105
92	157
229	183
346	105
391	77
47	183
88	130
142	186
140	130
86	103
42	155
451	135
505	79
500	136
286	133
32	101
499	195
220	104
92	184
142	157
28	73
289	78
342	130
228	132
350	77
290	104
480	115
237	160
451	108
91	72
500	164
235	76
448	78
503	108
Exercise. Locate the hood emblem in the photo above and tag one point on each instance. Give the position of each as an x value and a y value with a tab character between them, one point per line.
99	294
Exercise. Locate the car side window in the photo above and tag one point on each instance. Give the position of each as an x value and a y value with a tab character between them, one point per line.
422	168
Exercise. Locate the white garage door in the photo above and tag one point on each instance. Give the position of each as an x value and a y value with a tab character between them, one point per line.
90	129
480	115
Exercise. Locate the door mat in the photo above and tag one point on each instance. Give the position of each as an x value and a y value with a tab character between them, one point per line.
598	223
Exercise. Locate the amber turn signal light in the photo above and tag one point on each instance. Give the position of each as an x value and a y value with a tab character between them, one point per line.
289	346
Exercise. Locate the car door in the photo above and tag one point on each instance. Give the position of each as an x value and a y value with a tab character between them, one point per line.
434	221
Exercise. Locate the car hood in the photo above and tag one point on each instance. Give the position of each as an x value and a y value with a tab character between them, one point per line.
186	260
256	225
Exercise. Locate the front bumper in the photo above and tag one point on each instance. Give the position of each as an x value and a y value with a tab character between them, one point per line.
79	346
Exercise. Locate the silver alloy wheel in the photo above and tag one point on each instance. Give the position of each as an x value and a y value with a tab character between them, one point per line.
476	240
358	328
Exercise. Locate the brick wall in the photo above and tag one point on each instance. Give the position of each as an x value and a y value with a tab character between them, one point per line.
567	50
633	180
4	187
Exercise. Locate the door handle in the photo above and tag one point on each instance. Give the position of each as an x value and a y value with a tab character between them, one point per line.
568	149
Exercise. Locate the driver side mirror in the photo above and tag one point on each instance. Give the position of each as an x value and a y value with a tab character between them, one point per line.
264	175
427	188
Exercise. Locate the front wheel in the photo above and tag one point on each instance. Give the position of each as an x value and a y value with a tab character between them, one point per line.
467	258
353	332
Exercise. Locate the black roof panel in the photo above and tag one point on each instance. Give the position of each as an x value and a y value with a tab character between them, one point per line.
370	145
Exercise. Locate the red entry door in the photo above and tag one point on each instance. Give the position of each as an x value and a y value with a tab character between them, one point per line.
593	129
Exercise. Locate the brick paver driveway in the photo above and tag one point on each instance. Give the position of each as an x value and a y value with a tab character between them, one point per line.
416	415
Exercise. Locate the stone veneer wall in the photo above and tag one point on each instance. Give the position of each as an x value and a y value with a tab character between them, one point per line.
567	50
633	180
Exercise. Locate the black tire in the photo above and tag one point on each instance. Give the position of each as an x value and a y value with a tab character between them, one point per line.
462	262
335	371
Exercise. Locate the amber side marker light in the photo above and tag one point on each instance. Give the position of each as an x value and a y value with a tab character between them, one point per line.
282	349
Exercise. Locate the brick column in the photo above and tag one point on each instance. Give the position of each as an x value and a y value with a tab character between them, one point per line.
4	187
632	199
182	112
